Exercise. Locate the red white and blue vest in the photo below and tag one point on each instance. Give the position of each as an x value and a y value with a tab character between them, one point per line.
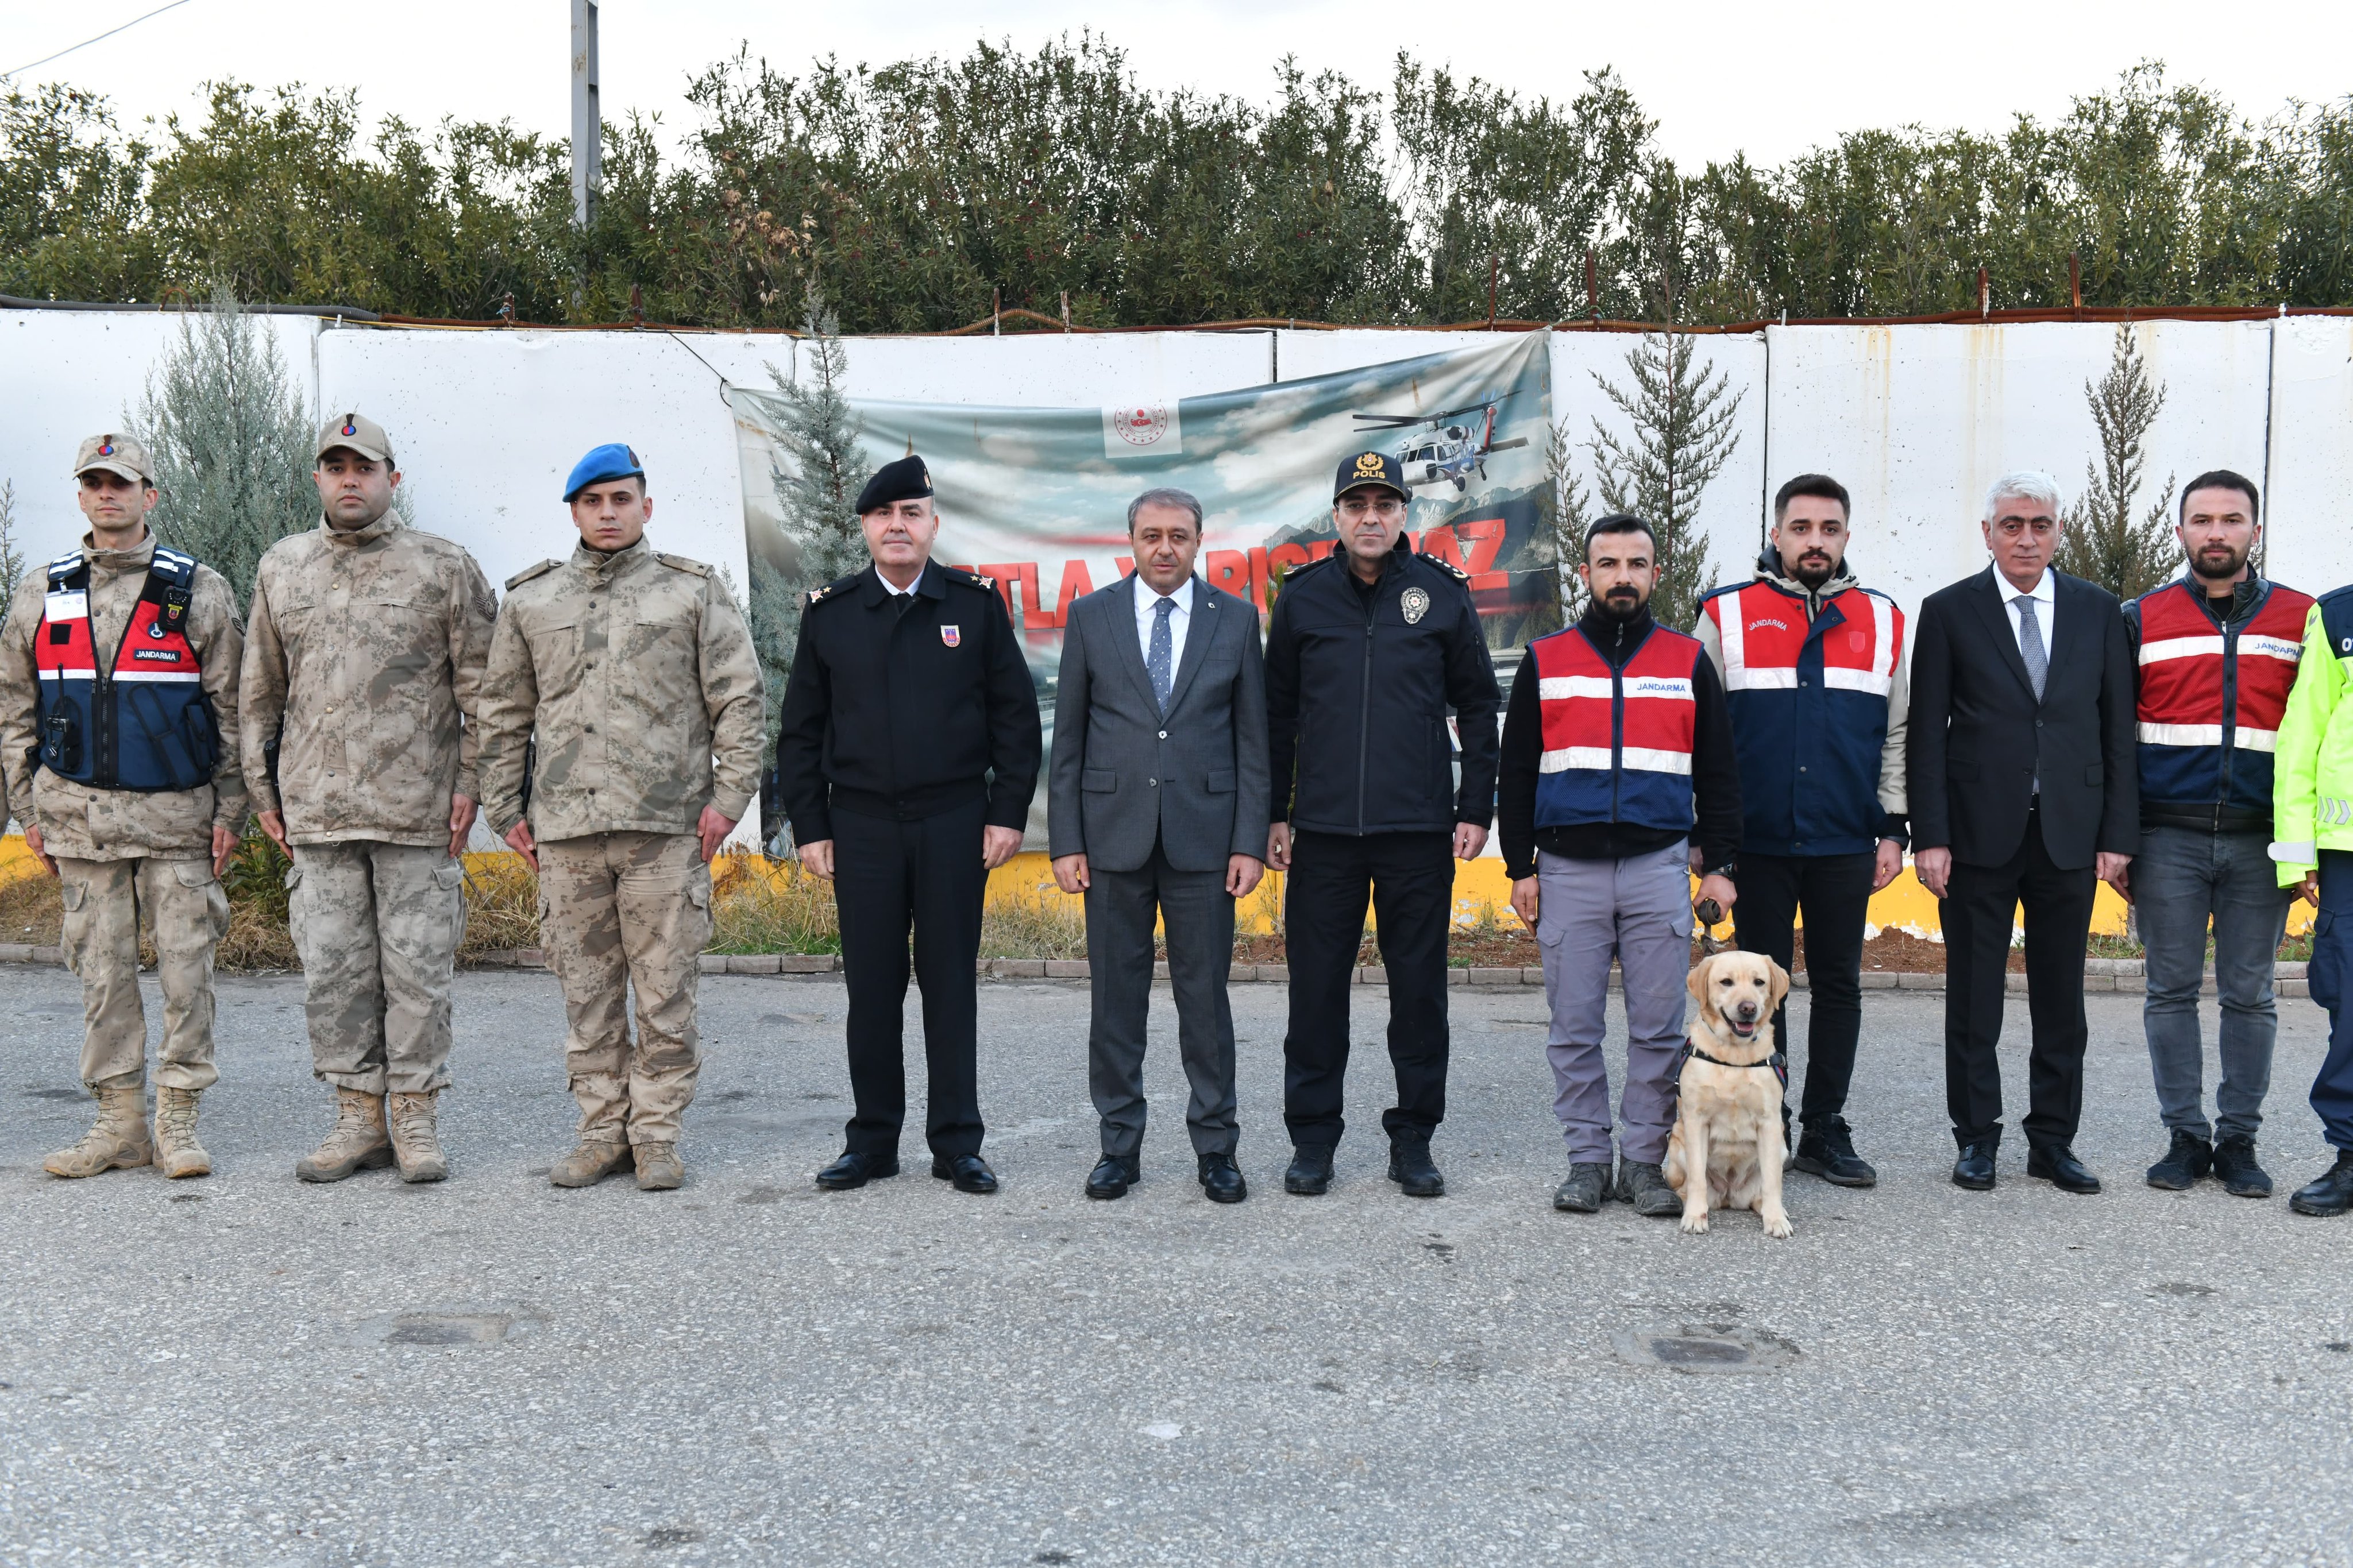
1808	703
1616	742
142	724
2211	698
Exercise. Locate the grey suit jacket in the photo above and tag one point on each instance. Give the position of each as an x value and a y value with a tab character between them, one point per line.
1124	774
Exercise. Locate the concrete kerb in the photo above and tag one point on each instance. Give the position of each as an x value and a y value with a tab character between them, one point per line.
2099	973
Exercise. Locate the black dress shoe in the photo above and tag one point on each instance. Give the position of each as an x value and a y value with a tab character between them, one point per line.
2056	1164
1412	1169
1310	1169
2332	1194
855	1170
1221	1181
1112	1176
970	1173
1974	1169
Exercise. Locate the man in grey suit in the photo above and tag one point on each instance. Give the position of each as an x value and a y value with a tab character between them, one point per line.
1157	807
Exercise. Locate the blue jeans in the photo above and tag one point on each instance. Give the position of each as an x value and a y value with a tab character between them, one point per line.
2332	968
2180	877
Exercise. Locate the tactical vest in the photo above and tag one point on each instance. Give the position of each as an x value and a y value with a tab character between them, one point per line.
2210	699
1808	701
1616	742
142	724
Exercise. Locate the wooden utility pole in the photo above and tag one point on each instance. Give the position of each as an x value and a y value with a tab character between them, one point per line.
1592	286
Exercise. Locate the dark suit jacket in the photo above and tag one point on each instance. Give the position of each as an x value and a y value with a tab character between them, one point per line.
1124	774
1978	740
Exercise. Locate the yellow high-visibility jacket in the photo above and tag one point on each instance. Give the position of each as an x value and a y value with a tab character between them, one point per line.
2312	772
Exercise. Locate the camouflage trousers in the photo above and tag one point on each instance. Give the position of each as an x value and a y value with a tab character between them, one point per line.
377	926
618	910
188	915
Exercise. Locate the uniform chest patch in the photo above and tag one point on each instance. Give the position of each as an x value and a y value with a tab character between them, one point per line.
952	636
1415	602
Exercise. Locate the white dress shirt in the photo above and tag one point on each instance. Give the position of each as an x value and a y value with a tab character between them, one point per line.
1148	611
895	590
2046	601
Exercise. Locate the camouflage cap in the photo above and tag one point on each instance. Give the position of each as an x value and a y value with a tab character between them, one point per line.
116	455
355	433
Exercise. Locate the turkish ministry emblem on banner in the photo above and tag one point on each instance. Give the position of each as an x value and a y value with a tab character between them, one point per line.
950	635
1142	430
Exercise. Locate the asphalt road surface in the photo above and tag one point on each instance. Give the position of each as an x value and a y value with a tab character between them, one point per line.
245	1370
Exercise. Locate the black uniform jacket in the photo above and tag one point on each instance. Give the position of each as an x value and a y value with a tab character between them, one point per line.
906	713
1357	688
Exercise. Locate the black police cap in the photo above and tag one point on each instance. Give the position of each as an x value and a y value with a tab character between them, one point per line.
906	480
1370	467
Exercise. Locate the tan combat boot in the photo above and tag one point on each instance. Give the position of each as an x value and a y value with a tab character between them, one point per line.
590	1164
415	1141
358	1141
658	1169
176	1148
118	1138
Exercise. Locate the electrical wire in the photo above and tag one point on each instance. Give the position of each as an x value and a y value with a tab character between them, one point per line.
86	43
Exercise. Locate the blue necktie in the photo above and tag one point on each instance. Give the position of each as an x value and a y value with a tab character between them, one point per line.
1160	662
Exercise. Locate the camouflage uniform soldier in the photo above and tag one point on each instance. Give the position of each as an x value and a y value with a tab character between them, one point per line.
118	727
363	669
628	670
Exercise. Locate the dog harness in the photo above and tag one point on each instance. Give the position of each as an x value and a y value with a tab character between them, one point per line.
1779	1061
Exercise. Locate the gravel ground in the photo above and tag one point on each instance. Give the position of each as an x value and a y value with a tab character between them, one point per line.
249	1371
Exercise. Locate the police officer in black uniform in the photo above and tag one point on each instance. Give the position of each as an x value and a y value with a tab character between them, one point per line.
908	752
1367	651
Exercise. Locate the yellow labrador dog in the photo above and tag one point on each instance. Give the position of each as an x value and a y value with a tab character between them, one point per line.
1727	1149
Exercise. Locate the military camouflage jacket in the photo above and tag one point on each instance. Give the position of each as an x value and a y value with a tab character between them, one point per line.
634	674
365	648
89	824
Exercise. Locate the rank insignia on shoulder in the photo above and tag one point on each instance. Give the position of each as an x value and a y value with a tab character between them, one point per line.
528	573
1451	570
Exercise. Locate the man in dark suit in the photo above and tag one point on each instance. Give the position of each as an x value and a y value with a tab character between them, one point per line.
2024	791
1157	807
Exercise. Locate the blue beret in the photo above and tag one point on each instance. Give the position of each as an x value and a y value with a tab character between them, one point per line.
611	461
906	480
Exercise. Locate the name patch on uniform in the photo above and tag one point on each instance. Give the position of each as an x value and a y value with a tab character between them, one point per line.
952	636
159	655
72	607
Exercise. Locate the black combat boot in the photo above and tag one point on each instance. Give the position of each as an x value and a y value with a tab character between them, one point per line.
1412	1168
1826	1149
1310	1169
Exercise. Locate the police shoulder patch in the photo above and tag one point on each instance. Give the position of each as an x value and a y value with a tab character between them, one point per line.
528	573
682	564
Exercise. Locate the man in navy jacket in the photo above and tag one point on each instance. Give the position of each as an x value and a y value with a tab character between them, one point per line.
1812	665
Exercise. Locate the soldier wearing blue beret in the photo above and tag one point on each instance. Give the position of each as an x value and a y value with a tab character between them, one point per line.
907	755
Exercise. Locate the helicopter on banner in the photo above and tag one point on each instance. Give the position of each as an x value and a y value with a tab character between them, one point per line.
1440	452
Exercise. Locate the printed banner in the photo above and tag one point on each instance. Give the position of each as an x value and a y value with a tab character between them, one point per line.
1037	498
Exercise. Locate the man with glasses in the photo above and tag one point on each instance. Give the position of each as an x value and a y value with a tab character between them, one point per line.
2022	790
1367	651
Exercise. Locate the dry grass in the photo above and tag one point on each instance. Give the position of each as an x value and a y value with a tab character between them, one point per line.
1034	923
759	905
501	906
30	907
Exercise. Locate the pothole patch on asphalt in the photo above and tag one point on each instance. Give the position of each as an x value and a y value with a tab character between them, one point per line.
2183	1288
491	1326
1703	1348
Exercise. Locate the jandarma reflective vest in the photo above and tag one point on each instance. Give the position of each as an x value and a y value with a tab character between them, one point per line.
1616	742
142	724
1809	702
2210	699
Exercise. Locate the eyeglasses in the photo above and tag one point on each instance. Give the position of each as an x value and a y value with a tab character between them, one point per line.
1384	507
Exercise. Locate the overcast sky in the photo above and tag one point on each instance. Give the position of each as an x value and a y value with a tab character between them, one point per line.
1768	80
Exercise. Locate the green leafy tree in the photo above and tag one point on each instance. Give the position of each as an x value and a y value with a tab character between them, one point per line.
1570	510
1682	437
817	483
231	439
2109	539
12	555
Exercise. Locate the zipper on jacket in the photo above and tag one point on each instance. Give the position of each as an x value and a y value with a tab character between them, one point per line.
2229	627
102	740
1364	709
1617	718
